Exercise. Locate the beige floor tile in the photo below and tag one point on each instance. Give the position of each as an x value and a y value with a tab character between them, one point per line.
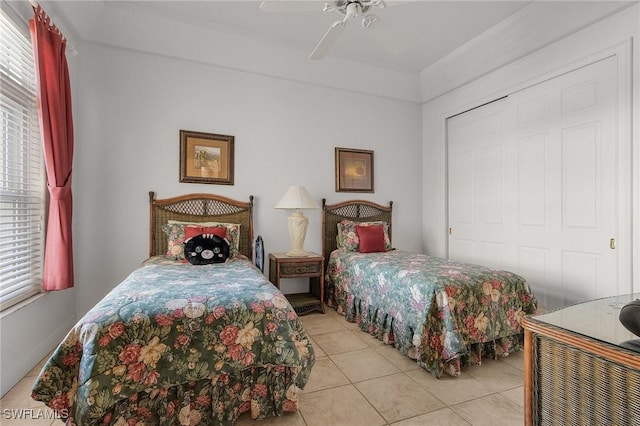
316	324
330	312
363	365
515	394
403	362
17	408
492	410
497	375
287	419
515	359
339	341
20	396
370	340
451	390
325	375
442	417
317	349
350	325
343	405
397	397
36	370
28	418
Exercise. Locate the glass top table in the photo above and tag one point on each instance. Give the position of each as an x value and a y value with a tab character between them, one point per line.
596	319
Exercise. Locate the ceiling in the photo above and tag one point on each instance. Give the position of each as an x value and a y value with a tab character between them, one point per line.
408	36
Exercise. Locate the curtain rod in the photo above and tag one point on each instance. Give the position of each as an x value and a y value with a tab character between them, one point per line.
70	47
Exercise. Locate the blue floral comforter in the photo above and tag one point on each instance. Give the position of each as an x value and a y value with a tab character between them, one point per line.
178	344
442	313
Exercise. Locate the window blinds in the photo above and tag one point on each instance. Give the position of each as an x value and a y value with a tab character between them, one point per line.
22	188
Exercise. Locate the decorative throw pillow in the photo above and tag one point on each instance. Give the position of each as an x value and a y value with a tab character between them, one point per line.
175	241
205	249
192	231
175	231
233	231
371	238
348	238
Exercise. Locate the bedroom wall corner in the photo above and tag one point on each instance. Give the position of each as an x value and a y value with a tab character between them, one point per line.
32	330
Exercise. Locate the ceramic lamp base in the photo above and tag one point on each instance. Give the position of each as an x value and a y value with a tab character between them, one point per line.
297	232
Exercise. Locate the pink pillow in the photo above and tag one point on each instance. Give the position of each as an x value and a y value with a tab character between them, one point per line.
192	231
371	238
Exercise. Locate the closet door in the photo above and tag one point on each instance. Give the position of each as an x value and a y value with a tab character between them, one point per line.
533	185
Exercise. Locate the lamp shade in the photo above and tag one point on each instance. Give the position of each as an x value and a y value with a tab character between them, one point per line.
297	198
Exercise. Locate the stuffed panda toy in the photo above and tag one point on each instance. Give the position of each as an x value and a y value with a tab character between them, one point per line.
205	249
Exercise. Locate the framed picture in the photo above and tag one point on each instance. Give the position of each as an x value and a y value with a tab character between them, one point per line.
206	158
354	170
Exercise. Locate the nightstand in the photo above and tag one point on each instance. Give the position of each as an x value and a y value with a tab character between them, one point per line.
283	266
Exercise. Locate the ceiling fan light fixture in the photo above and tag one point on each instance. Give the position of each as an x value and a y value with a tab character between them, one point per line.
353	10
368	20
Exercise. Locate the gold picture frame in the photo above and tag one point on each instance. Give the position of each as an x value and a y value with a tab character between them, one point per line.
354	170
206	158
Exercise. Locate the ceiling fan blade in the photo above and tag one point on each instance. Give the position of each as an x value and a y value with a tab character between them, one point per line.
328	40
292	6
391	3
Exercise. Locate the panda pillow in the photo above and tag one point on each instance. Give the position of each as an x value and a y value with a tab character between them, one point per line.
204	249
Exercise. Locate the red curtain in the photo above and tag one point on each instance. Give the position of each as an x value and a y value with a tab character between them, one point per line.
56	127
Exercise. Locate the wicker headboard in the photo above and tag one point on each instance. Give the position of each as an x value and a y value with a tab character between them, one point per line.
199	208
355	210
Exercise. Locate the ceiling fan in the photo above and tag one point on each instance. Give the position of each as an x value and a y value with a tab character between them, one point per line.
350	10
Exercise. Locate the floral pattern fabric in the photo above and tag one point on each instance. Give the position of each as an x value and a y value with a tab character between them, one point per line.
348	237
443	314
178	344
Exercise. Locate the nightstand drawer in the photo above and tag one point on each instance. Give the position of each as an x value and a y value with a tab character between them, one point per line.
300	268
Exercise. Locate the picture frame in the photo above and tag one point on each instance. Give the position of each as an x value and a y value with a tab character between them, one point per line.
206	158
354	170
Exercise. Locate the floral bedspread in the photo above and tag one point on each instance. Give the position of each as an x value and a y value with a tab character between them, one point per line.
178	344
443	314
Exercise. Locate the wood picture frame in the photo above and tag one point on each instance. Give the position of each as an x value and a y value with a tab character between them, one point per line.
206	158
354	170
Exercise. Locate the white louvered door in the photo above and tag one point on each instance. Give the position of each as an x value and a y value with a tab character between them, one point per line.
533	185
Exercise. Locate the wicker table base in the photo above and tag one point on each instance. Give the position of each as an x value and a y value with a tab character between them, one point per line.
303	303
577	368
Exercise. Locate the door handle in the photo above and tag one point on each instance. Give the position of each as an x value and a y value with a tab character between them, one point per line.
612	244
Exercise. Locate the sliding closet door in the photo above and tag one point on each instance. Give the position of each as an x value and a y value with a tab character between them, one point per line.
533	185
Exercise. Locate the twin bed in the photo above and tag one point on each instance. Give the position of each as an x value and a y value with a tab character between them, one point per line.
177	343
183	344
443	314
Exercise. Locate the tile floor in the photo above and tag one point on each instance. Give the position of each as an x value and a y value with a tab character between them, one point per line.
357	380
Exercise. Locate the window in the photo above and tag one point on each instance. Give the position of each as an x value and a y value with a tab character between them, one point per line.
22	187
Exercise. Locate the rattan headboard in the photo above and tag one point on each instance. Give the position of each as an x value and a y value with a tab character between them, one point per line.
199	208
355	210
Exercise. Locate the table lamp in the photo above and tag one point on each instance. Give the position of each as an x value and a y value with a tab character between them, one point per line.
297	198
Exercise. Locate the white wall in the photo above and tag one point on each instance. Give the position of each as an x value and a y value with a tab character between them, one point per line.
130	107
619	32
31	331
